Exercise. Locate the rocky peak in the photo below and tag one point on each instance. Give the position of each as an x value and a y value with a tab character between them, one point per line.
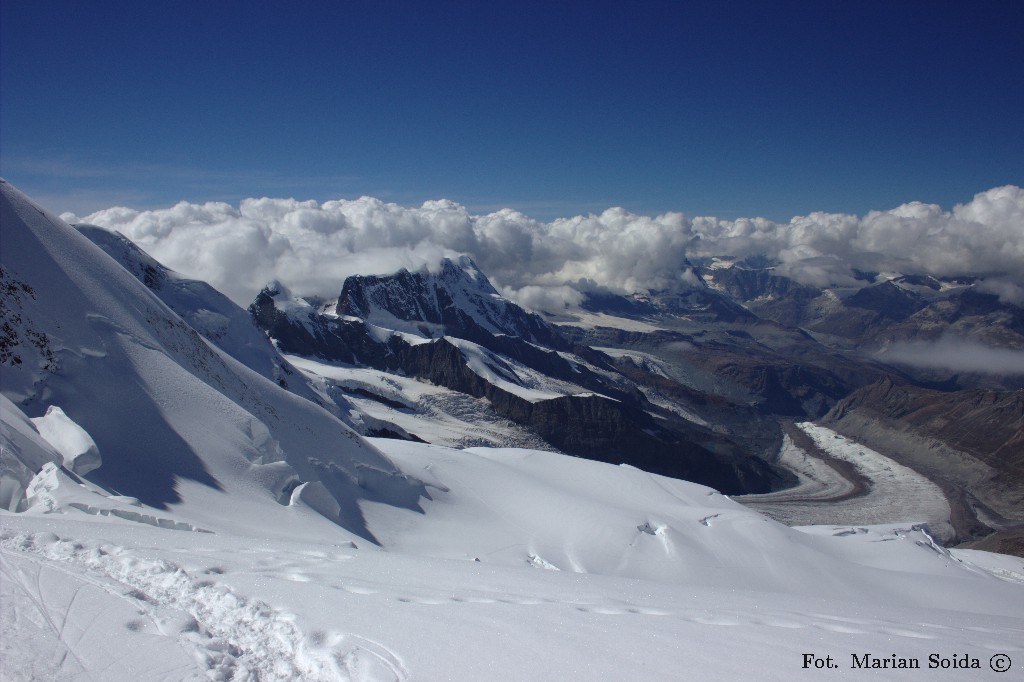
455	300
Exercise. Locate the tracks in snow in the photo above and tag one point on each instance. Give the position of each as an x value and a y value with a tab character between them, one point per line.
229	637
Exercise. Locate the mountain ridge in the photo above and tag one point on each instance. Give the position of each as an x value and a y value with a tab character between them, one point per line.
123	365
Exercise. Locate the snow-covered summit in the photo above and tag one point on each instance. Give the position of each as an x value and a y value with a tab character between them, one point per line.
455	300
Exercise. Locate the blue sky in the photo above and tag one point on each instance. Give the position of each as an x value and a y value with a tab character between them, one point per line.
556	108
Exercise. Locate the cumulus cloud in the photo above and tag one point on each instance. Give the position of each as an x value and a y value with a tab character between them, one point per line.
551	299
313	246
956	355
818	271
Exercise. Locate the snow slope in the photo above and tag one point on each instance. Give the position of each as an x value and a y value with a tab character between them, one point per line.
175	420
525	565
431	413
212	314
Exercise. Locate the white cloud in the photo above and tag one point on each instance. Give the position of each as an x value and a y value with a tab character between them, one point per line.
312	247
546	299
957	355
818	271
1007	290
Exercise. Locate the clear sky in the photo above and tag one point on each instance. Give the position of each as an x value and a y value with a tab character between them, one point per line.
555	108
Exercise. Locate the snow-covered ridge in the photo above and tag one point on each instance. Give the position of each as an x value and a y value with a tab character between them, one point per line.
514	377
206	310
175	419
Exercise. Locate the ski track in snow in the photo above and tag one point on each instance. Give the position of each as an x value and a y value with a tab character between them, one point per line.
309	567
978	637
230	637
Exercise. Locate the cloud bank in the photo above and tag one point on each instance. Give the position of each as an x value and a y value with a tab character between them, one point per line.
957	355
312	247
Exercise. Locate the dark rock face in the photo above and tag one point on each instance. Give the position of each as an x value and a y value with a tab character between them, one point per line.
797	378
701	304
457	301
788	390
770	296
738	371
864	314
747	285
921	281
606	302
887	300
970	313
962	430
905	308
605	429
988	425
308	333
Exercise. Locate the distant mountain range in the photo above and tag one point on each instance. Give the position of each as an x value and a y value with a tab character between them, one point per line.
697	382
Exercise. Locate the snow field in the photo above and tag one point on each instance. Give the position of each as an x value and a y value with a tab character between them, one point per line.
433	413
233	607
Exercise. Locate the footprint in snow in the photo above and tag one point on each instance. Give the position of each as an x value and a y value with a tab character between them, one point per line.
356	589
232	637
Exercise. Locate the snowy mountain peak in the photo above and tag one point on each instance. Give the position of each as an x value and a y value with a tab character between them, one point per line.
465	273
278	291
457	300
168	513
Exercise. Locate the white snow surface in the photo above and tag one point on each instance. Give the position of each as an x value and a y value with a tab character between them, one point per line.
512	376
177	420
591	320
522	565
236	531
432	413
77	448
209	312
